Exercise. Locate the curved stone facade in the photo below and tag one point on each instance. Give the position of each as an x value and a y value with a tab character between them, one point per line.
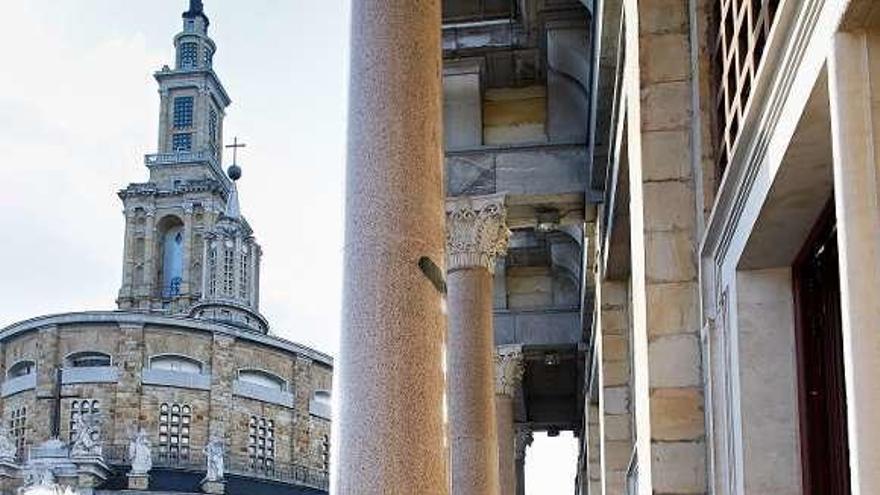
179	379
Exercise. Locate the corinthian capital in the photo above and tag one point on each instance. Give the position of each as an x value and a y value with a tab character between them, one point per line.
476	231
509	369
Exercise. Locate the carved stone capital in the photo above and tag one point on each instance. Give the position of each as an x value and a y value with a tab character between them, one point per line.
509	369
522	440
476	231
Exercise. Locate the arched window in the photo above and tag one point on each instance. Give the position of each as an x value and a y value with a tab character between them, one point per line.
263	379
322	397
175	362
172	261
21	368
320	405
87	359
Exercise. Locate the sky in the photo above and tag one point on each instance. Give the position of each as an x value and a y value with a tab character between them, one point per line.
79	109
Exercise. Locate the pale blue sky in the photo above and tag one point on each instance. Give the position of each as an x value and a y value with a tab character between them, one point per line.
79	109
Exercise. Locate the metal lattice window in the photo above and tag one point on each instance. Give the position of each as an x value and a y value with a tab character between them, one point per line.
182	142
183	112
174	431
261	443
212	129
243	279
229	272
743	27
212	271
325	452
90	410
18	429
189	55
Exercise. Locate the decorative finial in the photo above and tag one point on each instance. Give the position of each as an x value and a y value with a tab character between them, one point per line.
196	7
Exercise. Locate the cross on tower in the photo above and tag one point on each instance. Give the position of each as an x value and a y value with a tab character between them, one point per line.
235	146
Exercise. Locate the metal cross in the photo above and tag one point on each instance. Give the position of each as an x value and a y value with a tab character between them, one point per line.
235	146
56	403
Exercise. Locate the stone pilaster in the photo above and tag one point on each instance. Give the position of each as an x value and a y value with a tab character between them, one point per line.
853	76
147	289
667	389
615	404
301	439
125	292
390	378
187	285
130	360
476	233
509	368
222	375
47	362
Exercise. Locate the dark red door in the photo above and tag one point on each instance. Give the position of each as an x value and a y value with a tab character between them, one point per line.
820	362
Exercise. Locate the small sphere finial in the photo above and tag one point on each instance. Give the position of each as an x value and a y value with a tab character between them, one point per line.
234	172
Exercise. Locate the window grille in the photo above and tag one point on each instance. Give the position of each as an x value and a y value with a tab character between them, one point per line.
18	429
90	410
261	443
212	129
183	112
228	272
188	55
325	452
212	271
174	431
742	28
243	279
182	142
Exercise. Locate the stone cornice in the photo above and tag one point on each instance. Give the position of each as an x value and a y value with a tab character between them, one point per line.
129	318
476	231
509	368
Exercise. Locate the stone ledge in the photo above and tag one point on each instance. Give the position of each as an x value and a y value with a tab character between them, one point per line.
18	384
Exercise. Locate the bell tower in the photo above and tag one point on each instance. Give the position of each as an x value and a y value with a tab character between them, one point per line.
188	199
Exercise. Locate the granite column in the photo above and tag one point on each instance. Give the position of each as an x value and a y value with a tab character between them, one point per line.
476	234
522	441
508	377
389	428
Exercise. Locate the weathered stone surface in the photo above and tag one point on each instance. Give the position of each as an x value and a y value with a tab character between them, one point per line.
678	467
673	309
677	414
674	361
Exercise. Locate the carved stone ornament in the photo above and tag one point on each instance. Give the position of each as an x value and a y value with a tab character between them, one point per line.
140	453
476	231
8	449
509	369
522	440
87	442
214	452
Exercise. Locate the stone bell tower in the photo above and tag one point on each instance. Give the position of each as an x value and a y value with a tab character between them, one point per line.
188	199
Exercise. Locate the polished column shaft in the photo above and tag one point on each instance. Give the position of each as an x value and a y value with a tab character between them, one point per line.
389	432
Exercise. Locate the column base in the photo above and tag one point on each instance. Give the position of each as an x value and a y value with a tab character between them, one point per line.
138	481
214	487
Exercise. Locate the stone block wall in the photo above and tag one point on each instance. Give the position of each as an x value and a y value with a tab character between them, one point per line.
128	403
